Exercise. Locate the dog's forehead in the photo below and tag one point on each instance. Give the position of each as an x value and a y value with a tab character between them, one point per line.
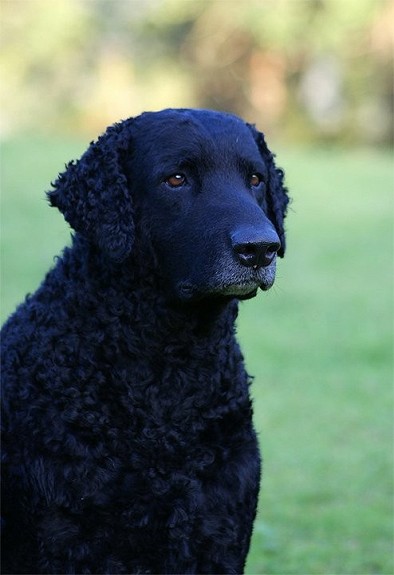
193	133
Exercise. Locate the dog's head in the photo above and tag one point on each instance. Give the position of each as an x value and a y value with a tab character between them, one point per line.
200	189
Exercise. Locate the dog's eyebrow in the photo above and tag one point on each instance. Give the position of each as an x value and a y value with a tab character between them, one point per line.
186	161
252	165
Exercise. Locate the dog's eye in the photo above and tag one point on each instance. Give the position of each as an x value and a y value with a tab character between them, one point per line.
176	180
255	180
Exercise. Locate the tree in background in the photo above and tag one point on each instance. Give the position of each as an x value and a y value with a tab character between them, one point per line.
303	69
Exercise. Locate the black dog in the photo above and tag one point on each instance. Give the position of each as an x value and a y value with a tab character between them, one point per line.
129	445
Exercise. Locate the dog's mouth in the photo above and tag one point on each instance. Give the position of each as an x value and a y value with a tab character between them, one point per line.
242	285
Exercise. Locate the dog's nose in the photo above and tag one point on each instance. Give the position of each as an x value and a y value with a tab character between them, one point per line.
253	249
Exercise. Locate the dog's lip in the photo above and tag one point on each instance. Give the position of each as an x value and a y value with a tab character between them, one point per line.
250	281
186	290
230	279
241	289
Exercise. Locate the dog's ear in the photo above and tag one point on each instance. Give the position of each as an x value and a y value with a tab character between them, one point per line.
94	196
278	198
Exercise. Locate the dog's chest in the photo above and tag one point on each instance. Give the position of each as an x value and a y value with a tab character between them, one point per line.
159	419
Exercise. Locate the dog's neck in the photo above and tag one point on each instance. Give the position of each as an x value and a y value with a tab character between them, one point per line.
189	351
129	286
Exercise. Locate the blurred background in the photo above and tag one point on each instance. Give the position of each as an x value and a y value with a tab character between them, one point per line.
302	69
317	77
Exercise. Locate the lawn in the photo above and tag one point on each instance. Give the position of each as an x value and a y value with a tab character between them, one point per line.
319	345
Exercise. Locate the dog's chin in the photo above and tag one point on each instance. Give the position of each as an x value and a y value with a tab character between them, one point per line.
243	287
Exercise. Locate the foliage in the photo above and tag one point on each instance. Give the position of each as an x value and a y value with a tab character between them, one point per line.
319	345
304	69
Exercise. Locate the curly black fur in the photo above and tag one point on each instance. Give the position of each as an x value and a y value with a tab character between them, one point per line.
128	444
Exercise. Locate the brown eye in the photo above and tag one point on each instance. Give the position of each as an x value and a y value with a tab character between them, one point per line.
176	180
255	180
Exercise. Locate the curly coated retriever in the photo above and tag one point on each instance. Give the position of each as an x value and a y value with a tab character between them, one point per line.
129	445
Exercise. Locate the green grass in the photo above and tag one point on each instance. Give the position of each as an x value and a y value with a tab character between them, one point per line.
319	345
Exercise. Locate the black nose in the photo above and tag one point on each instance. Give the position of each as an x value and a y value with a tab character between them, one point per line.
255	249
